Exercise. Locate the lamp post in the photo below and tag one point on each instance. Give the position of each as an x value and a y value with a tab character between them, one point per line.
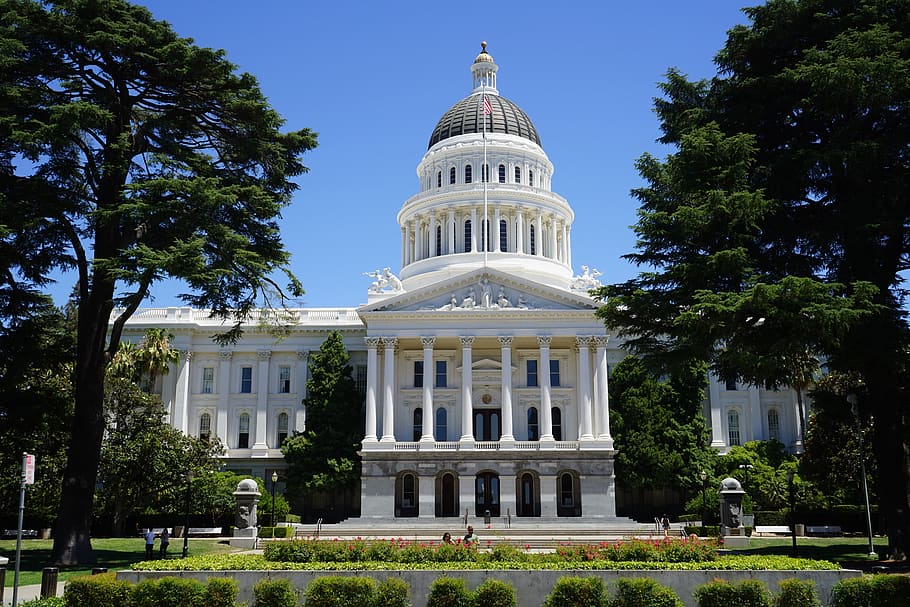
274	481
745	468
853	400
795	551
186	522
704	499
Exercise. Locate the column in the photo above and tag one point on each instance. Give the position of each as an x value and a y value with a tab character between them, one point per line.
429	378
539	236
467	388
602	392
405	234
569	247
497	237
564	254
388	396
182	397
505	343
303	361
224	391
718	439
520	233
543	376
262	402
754	432
584	385
415	235
553	252
450	229
548	495
372	360
474	229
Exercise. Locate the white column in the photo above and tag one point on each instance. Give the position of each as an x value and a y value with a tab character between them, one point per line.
404	245
602	394
538	240
543	377
372	362
450	229
569	247
429	378
262	401
182	396
497	237
432	237
505	343
303	360
416	238
520	234
388	396
474	229
718	440
467	380
564	247
584	385
553	251
755	431
224	391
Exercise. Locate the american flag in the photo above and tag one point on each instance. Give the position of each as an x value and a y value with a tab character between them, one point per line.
487	108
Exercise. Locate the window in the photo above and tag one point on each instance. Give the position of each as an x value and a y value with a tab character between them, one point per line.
533	427
439	179
530	177
532	373
554	373
517	174
485	173
205	426
442	374
503	235
438	240
567	490
773	424
408	491
284	380
243	431
467	173
731	384
282	429
733	428
442	419
557	423
208	380
418	374
502	173
467	236
533	241
418	424
246	380
452	176
360	379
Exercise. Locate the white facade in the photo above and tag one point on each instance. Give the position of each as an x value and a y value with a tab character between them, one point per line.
484	370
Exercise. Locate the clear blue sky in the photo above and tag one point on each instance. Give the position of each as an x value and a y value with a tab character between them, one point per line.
374	77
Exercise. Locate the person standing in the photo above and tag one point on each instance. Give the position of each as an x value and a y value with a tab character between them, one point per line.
665	523
165	540
149	544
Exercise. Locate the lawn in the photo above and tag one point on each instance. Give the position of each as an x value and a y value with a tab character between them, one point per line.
112	553
834	549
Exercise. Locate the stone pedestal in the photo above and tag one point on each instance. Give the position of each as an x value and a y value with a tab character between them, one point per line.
731	509
246	531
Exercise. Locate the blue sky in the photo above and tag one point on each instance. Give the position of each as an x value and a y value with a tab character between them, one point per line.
374	77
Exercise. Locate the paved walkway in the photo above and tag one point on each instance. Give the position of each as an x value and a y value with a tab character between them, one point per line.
27	593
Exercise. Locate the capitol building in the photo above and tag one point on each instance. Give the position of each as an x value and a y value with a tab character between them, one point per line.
483	369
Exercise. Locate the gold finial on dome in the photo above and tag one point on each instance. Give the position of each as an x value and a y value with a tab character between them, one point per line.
483	46
483	56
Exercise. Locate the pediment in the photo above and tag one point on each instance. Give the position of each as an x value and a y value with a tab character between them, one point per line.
482	291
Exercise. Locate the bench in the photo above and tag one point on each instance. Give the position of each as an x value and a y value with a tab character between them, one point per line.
824	530
32	533
205	531
771	530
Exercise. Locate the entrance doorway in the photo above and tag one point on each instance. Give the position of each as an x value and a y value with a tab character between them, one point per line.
447	495
486	425
486	493
528	495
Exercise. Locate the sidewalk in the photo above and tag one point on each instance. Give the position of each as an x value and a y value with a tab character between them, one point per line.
27	593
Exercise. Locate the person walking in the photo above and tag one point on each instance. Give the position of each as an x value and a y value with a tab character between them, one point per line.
165	540
149	544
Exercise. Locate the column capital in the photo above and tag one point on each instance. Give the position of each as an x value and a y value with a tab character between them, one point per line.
390	342
544	340
372	342
601	341
225	355
505	341
428	342
264	354
583	341
467	341
186	355
303	354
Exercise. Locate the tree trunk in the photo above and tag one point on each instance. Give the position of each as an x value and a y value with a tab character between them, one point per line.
892	461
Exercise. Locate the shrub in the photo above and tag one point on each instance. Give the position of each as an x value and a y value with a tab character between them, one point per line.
54	601
339	591
494	593
871	591
220	592
392	592
449	592
168	592
102	590
577	592
720	593
277	592
506	553
281	532
644	592
797	593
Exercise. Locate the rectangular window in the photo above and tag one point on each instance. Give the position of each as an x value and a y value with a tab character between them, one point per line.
205	426
208	380
360	379
554	373
532	374
731	384
284	380
733	428
243	433
418	374
246	380
442	374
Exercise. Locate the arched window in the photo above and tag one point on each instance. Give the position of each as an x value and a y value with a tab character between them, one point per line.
530	177
243	431
533	427
468	178
733	435
282	429
568	495
418	423
566	490
533	241
502	173
503	235
467	236
438	179
452	176
407	495
773	424
517	174
205	426
557	423
438	240
442	430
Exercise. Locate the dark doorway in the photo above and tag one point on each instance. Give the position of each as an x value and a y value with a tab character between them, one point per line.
486	493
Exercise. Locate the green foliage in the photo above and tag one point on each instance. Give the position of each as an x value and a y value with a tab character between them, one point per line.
52	601
449	592
337	591
102	590
797	593
274	592
494	593
720	593
643	592
577	592
169	592
221	592
392	592
874	591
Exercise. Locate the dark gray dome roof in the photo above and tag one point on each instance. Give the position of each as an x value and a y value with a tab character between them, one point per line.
465	117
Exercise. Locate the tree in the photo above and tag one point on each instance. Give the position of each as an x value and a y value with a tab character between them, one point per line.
129	155
778	226
324	457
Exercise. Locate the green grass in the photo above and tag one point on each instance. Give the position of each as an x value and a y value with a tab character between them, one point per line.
834	549
112	553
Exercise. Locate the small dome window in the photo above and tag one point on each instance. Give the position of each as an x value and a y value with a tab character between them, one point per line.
468	177
502	173
452	176
517	174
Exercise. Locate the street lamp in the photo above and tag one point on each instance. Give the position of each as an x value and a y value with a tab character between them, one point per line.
853	400
704	499
186	522
745	468
274	481
795	552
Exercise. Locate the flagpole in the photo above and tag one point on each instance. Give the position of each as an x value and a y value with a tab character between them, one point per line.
484	174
